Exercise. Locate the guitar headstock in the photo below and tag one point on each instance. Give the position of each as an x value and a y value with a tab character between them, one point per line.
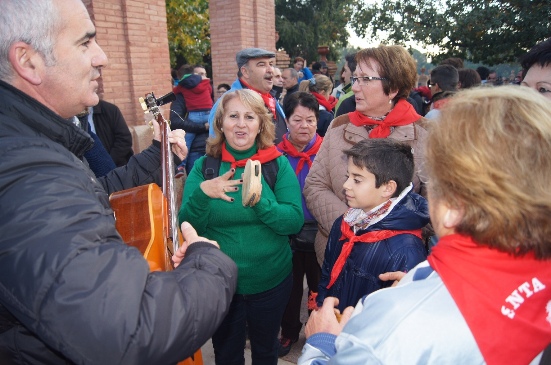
150	104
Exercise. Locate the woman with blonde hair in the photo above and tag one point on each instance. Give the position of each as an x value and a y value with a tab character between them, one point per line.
382	81
255	236
484	294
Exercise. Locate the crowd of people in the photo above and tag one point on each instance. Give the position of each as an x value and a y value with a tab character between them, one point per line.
351	189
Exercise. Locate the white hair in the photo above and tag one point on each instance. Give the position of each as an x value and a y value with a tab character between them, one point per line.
35	22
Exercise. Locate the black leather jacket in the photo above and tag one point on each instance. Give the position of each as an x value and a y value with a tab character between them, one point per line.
70	290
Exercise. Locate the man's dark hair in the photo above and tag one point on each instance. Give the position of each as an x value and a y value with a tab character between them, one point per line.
454	61
483	72
468	78
225	86
301	98
446	76
316	66
351	61
385	158
539	54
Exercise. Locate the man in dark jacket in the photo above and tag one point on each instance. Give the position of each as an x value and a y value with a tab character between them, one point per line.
70	290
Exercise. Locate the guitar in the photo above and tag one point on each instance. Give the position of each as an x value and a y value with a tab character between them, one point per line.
146	216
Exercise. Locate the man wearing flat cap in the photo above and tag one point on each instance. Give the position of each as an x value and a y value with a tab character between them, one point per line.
255	71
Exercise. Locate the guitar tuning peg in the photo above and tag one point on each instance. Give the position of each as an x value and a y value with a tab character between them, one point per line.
143	104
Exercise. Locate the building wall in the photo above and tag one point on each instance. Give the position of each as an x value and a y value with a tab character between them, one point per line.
238	24
133	35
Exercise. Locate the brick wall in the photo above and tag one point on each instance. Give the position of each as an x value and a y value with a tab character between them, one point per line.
133	35
238	24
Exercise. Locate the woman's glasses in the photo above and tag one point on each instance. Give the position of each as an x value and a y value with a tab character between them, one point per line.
364	80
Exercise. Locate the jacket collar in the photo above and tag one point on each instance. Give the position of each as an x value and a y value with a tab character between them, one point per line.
19	106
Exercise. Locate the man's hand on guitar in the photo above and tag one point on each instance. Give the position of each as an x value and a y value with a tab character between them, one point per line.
176	138
190	237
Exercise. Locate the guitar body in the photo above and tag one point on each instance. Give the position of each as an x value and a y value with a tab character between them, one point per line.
140	215
140	218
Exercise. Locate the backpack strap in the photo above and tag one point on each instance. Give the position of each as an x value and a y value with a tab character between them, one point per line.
211	169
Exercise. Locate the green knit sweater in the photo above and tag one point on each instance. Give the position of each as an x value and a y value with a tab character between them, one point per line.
256	238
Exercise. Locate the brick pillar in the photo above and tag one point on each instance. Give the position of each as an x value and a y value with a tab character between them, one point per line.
133	35
238	24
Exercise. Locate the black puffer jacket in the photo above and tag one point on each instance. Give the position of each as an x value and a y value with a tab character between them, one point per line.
70	290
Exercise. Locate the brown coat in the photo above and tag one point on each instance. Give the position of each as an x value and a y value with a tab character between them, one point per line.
323	188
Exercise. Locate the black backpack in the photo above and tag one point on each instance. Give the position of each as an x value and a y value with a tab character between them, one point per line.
211	169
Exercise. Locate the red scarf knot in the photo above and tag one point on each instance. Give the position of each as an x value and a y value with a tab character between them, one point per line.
369	237
263	156
327	104
286	146
403	113
269	100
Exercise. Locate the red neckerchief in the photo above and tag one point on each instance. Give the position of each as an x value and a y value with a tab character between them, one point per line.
369	237
323	101
403	113
503	298
269	100
291	150
263	156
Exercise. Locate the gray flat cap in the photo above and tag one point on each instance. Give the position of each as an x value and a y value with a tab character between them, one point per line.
249	53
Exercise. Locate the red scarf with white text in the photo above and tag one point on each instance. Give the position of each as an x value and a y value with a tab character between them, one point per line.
328	105
286	146
369	237
269	100
263	156
505	300
403	113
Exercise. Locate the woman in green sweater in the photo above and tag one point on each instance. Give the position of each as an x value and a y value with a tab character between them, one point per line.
255	237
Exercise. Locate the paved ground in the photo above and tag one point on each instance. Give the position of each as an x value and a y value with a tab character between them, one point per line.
290	359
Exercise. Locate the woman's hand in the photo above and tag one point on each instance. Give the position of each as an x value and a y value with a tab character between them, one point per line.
325	319
218	187
190	236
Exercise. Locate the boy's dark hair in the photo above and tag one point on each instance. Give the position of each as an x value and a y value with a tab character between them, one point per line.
539	54
351	60
302	98
385	158
225	86
446	76
185	70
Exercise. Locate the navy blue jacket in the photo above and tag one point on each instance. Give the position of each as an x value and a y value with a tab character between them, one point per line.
360	274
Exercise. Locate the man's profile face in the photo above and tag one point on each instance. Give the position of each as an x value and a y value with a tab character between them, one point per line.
200	71
70	84
288	80
258	72
278	81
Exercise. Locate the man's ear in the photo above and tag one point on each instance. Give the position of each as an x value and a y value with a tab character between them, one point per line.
245	72
389	189
26	62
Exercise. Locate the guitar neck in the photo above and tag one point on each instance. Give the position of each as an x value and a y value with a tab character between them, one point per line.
168	183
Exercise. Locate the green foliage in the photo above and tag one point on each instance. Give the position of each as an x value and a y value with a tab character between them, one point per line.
188	30
487	31
303	25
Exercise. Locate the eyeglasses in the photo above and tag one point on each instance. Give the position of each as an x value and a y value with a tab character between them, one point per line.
364	80
429	84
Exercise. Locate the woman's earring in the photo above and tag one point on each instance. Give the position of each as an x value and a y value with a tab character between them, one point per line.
221	129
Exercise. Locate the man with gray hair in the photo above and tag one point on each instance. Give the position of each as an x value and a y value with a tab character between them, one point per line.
290	82
71	291
255	71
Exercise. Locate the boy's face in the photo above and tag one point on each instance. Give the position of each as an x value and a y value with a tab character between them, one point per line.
360	190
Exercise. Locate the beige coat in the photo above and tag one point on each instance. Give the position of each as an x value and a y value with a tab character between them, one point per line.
323	188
